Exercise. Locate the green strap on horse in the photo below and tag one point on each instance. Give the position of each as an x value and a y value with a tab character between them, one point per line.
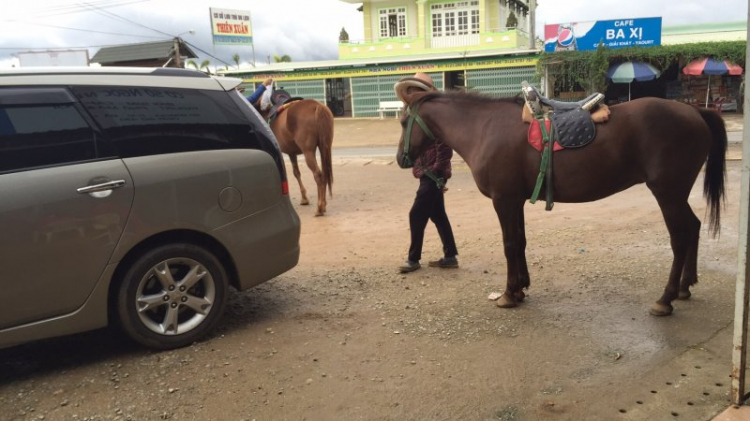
414	116
545	168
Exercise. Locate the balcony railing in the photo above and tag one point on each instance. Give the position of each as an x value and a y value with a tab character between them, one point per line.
455	41
492	39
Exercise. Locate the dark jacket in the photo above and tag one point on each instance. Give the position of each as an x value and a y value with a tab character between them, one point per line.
437	158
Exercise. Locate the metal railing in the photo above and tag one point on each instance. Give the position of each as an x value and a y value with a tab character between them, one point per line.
469	39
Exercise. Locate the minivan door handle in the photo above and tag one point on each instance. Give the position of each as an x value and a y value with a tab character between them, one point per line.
109	185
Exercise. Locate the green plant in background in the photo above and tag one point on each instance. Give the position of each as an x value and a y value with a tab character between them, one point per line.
588	69
204	66
512	21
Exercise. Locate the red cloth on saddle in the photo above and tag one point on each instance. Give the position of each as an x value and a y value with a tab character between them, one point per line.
535	136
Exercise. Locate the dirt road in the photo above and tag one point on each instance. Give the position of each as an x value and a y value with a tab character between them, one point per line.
344	337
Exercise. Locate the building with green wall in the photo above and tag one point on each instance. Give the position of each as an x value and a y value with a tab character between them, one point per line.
460	44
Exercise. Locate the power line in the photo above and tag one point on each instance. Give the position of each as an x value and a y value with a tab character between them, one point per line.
78	8
61	48
118	17
204	52
86	30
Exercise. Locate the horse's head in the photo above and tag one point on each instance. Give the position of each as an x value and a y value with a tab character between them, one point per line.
416	136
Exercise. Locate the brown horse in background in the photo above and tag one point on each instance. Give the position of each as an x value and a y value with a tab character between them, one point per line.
302	127
658	142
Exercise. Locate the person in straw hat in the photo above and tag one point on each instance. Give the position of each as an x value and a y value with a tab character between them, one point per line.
433	169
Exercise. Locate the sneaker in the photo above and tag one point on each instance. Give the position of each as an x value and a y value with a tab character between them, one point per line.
409	266
445	263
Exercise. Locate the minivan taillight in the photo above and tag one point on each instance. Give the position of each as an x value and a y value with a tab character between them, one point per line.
285	187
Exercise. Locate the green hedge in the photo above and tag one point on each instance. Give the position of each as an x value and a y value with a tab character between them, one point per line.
589	68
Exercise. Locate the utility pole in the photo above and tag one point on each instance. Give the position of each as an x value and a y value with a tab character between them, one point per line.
532	24
177	58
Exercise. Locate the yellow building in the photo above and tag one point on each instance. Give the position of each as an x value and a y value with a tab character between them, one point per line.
460	44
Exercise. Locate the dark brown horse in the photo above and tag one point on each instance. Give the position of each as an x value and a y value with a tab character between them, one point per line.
302	127
658	142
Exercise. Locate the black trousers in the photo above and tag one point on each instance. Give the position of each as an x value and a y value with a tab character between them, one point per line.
429	205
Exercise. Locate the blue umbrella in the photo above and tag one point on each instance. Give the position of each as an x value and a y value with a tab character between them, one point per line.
632	70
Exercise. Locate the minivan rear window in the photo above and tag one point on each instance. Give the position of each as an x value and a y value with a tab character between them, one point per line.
43	135
144	121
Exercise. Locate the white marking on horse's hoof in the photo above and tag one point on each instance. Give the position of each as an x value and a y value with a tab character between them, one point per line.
494	296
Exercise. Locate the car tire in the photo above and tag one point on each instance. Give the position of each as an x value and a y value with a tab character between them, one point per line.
172	296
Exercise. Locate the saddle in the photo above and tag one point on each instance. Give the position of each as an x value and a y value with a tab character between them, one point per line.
279	100
572	121
570	125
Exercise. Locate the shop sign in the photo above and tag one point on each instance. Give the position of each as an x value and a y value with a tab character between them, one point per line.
620	33
231	27
395	69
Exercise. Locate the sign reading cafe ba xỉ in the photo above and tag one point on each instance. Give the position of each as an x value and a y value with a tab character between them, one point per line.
621	33
231	27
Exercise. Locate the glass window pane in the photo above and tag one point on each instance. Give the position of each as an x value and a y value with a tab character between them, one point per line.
151	121
36	136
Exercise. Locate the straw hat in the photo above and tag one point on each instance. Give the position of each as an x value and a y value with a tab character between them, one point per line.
419	82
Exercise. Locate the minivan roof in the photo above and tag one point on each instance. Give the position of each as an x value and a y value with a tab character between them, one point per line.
116	76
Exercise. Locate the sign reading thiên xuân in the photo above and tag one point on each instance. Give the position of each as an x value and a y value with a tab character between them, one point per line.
231	27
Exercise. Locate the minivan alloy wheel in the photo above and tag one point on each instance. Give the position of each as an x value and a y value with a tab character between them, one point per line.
175	296
172	295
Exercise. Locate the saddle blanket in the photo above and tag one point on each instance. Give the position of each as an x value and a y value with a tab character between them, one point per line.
535	136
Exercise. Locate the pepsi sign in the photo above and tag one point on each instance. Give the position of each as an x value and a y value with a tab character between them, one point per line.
620	33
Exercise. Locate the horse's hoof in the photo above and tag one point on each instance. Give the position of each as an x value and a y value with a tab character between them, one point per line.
684	295
659	309
304	202
319	213
519	296
506	302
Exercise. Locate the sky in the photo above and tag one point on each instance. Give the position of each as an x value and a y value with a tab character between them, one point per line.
305	30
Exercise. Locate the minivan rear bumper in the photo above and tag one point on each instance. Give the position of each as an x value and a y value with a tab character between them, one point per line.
263	245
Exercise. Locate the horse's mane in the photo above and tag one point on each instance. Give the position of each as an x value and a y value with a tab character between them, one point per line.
473	96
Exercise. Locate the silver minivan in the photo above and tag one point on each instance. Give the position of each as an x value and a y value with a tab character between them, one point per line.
137	197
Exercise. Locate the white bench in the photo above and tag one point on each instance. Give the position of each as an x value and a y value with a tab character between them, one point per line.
386	106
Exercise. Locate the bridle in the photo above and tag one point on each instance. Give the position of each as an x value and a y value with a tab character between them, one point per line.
406	161
413	114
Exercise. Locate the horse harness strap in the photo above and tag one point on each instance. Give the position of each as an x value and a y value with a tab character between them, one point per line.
414	116
281	106
545	168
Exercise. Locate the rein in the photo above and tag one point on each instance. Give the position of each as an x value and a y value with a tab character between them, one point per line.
408	162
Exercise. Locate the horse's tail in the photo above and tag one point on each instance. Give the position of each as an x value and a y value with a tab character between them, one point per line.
324	119
713	182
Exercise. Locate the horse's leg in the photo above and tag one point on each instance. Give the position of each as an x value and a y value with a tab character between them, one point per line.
298	176
690	270
312	163
683	229
514	243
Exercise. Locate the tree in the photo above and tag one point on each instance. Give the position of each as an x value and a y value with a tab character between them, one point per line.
343	35
236	59
512	21
283	59
203	67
